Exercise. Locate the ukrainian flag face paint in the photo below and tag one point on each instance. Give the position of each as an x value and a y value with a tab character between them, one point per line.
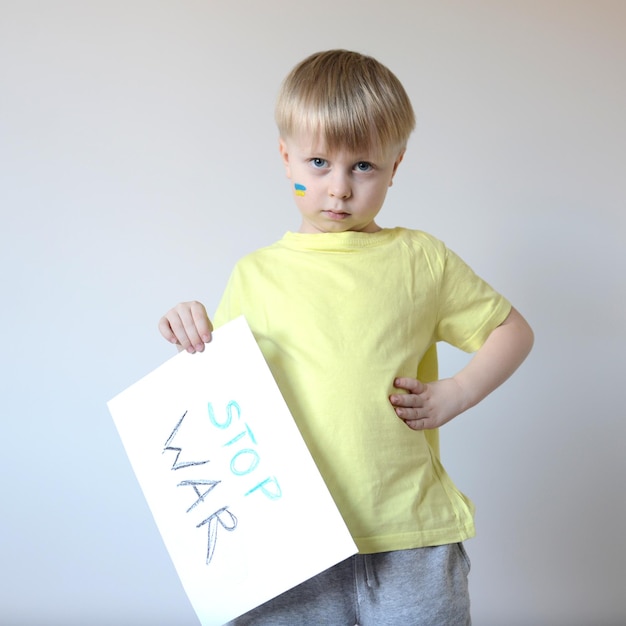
300	189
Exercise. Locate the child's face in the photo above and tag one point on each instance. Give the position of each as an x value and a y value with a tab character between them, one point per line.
337	191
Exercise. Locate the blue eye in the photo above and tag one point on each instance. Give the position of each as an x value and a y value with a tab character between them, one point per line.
363	166
317	162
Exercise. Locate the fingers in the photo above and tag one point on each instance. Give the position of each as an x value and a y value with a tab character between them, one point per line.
415	417
405	403
187	325
430	405
417	424
409	406
408	400
411	385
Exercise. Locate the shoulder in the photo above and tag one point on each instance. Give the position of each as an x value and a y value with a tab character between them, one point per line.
416	237
422	243
257	266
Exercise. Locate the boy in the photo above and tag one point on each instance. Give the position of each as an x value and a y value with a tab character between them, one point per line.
347	315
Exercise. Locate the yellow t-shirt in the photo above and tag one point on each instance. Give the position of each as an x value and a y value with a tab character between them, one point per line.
338	316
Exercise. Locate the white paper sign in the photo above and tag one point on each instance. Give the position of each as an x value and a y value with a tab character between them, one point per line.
232	487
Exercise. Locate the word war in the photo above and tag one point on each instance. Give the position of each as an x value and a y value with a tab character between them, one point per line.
243	462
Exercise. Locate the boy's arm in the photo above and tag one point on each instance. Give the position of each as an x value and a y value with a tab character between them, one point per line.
188	326
431	405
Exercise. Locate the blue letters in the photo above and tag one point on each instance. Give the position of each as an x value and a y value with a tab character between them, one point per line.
246	460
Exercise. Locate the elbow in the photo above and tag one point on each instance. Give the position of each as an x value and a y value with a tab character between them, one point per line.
525	334
529	338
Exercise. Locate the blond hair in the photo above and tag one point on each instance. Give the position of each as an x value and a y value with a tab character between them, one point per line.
347	100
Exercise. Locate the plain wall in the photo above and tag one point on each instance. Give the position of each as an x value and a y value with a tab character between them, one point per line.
138	162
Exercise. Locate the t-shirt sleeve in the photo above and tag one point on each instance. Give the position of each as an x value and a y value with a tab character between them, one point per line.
469	308
229	306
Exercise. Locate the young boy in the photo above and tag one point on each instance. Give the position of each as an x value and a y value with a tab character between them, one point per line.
347	315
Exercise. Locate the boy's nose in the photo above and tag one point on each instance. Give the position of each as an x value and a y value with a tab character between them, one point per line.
339	187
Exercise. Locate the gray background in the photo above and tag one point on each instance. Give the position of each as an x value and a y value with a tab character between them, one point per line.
138	161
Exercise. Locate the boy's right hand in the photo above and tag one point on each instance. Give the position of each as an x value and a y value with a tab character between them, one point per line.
187	326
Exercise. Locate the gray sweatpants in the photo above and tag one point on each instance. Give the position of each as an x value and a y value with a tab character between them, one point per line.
419	587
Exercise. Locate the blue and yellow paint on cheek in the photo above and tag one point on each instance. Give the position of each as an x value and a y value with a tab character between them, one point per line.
300	189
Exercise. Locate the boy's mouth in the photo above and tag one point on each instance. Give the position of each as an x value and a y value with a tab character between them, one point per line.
336	215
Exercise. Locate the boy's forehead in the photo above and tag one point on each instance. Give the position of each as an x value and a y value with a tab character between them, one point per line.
315	143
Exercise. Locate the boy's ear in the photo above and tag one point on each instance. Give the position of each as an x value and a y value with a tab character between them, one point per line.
282	147
395	165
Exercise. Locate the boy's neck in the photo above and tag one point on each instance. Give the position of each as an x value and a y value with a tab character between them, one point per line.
306	229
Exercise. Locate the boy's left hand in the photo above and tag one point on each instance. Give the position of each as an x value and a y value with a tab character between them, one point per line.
428	405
